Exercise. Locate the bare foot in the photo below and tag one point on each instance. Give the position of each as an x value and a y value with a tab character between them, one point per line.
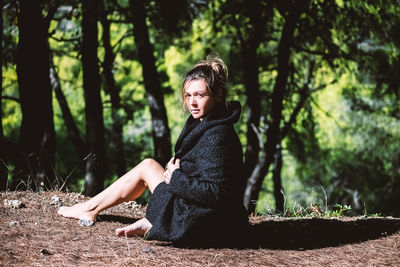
139	228
78	211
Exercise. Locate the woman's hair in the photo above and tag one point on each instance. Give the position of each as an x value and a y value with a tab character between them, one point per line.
214	72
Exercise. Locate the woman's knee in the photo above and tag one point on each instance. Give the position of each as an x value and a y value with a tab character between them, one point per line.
149	163
151	173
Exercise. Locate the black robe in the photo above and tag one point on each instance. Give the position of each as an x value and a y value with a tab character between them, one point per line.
202	205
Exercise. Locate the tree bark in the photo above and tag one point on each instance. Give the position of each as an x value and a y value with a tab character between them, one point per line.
37	137
254	107
161	132
273	131
276	177
252	86
95	140
1	71
3	160
113	89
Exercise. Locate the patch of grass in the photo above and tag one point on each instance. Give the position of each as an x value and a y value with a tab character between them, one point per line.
338	211
314	210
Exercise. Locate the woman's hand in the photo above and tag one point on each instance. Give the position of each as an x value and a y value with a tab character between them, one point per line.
172	165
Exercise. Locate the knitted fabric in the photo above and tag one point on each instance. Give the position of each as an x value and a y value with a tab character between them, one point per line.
202	205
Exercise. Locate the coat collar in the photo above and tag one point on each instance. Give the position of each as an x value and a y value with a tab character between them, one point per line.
194	128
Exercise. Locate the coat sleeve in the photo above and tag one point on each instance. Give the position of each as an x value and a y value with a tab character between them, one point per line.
215	170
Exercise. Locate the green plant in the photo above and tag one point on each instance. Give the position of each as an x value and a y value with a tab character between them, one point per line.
339	210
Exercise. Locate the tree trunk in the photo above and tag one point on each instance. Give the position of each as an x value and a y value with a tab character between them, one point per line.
9	152
1	72
72	129
113	89
276	177
3	165
249	55
95	165
250	68
161	132
273	132
3	161
37	137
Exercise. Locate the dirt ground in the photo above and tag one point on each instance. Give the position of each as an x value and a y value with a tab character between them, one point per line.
32	234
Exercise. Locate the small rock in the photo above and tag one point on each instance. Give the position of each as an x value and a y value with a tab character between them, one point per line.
15	223
44	251
84	222
15	204
56	201
130	204
148	250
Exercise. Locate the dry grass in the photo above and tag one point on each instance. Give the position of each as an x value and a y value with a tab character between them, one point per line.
41	237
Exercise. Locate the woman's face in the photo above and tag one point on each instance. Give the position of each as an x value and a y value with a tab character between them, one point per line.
198	99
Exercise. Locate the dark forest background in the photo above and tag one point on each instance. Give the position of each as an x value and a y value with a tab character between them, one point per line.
91	87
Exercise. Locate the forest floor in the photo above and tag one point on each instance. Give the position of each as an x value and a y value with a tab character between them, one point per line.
32	234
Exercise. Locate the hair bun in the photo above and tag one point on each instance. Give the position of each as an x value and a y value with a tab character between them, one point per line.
218	66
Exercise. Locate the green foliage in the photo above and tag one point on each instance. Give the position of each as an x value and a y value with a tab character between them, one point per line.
11	108
346	54
312	210
339	210
353	154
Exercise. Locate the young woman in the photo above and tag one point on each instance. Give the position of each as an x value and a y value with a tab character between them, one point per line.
196	199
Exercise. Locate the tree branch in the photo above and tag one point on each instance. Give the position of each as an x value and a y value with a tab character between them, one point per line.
11	98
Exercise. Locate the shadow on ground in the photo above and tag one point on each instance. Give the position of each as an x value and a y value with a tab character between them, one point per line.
311	233
115	218
306	233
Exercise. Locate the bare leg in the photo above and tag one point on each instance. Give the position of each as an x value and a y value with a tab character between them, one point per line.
130	186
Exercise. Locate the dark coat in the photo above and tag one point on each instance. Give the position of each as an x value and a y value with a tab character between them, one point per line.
202	205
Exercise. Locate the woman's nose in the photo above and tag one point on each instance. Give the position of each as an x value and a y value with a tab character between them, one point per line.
193	100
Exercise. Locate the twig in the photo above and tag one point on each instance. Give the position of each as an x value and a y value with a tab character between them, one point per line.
76	166
326	198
